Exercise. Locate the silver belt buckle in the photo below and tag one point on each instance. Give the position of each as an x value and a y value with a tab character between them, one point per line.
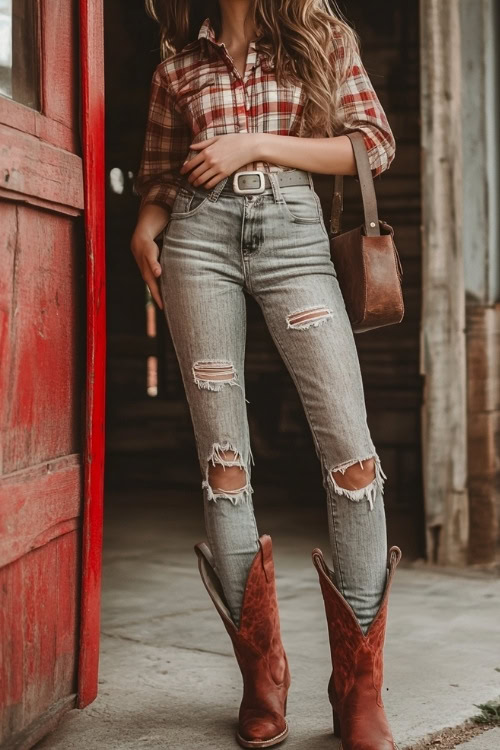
244	191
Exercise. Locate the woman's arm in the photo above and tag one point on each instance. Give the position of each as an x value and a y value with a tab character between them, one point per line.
166	144
152	220
321	155
359	109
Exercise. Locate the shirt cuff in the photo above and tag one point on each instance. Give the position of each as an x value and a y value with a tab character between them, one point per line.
380	151
161	195
380	154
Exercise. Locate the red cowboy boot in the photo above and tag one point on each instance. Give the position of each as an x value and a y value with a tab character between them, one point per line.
257	646
355	687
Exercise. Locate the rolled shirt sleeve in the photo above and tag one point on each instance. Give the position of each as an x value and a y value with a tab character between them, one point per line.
166	145
360	109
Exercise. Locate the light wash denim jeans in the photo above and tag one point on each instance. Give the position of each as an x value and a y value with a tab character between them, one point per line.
275	246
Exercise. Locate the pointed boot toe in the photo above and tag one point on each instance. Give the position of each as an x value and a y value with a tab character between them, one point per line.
262	732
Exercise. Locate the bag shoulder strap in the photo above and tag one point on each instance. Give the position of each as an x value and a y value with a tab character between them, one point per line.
372	227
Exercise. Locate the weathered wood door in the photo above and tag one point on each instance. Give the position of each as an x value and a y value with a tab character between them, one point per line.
51	360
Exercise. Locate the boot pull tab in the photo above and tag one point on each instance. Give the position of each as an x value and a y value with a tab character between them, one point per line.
267	557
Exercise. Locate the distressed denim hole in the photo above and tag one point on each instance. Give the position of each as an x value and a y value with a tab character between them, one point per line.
368	492
311	316
226	475
214	375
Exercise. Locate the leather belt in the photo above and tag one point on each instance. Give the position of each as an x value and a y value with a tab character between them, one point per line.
243	183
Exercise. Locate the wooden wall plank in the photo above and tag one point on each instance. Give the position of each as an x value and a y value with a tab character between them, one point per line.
38	632
59	53
68	559
36	502
20	117
11	649
32	167
8	244
483	357
41	403
38	613
443	355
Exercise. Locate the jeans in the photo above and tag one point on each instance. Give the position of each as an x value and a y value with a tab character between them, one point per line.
275	246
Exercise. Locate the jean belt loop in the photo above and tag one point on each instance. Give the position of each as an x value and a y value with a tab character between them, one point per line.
216	191
277	195
311	181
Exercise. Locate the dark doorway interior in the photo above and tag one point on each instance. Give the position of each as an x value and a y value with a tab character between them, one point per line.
150	443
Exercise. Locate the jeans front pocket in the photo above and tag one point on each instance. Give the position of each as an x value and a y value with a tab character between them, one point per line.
301	204
188	201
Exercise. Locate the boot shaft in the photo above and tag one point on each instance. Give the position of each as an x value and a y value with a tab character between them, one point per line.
257	642
257	645
348	643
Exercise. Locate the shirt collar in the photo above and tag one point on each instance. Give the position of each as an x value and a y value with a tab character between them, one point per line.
207	32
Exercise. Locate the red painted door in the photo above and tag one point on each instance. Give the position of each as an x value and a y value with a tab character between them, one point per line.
52	338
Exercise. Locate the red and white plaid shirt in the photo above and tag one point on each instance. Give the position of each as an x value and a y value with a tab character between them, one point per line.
199	93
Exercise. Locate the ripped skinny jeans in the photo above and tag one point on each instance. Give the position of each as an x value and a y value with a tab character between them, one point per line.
275	246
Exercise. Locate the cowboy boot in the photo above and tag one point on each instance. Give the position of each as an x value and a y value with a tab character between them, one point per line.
257	646
355	687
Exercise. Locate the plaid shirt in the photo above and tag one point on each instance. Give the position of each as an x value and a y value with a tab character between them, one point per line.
198	93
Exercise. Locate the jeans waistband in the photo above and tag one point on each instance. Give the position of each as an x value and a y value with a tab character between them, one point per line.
283	176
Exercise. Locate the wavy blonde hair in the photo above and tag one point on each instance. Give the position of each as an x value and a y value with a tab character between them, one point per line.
311	41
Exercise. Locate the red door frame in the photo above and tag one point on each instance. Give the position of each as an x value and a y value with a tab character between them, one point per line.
92	134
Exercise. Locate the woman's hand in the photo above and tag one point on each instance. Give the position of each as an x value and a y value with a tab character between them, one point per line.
146	253
220	156
152	220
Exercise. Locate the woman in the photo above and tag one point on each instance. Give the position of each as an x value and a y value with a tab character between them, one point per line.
251	98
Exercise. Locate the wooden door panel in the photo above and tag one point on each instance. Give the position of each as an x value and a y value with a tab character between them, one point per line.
41	473
38	628
41	401
52	377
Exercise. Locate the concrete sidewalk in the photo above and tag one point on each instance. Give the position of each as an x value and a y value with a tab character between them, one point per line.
490	740
168	678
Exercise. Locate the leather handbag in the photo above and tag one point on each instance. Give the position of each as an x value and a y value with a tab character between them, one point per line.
366	260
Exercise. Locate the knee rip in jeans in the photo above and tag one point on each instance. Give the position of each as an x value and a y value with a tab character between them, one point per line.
369	492
226	456
213	375
309	316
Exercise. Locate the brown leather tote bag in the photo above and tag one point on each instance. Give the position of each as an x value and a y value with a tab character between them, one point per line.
366	259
